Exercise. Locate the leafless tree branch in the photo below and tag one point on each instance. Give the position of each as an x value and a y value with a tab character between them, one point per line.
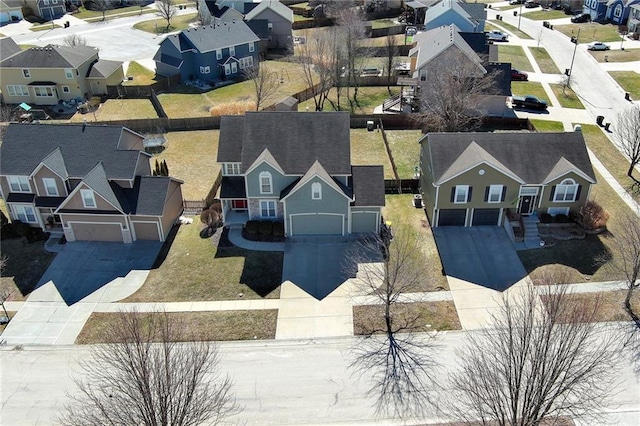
265	82
627	136
167	10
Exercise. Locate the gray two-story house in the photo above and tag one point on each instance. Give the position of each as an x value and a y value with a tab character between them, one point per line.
296	168
216	52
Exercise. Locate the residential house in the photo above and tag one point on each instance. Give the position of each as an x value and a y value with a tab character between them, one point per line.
221	51
296	168
634	19
419	8
47	9
471	179
618	11
10	11
468	17
50	74
8	48
596	8
223	13
279	21
93	183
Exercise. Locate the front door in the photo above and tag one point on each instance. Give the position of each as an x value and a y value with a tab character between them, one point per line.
239	204
526	204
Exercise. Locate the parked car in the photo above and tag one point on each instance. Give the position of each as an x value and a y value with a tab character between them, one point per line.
518	75
531	4
583	17
528	101
515	2
598	45
497	36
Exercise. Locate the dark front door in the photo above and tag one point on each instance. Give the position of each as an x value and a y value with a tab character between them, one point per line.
526	204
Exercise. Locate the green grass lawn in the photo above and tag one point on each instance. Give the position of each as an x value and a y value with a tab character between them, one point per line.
367	148
297	18
382	23
590	31
566	96
399	209
626	55
119	109
159	26
83	13
405	150
141	76
547	125
544	61
26	262
521	88
191	157
382	41
629	81
515	55
544	15
196	269
511	28
369	97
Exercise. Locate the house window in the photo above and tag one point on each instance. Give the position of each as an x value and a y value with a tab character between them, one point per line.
265	183
234	67
227	69
25	213
461	194
270	26
45	2
554	211
26	73
566	191
232	168
494	194
88	199
316	191
219	54
617	12
50	186
43	91
423	75
17	90
205	70
68	72
252	47
65	89
246	62
267	208
232	51
19	184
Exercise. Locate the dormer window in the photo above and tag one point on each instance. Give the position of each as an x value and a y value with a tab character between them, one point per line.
26	73
88	200
252	47
316	191
230	169
50	187
19	184
265	183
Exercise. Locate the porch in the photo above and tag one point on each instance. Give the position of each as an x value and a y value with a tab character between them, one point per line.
236	217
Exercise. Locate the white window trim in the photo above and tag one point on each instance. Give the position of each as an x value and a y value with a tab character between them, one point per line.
65	89
37	91
268	203
219	54
22	208
45	182
461	189
252	47
423	75
26	73
554	211
231	169
232	51
227	69
11	88
492	191
234	68
68	72
205	69
19	180
85	194
562	189
265	175
316	191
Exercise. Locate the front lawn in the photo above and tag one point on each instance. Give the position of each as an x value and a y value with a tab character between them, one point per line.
195	269
427	316
566	96
94	15
544	15
191	157
199	326
498	25
159	26
629	81
26	262
142	76
405	150
626	55
367	148
544	61
515	55
547	125
611	304
399	210
522	88
119	109
590	31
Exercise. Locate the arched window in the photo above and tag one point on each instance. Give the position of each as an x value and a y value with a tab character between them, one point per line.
566	191
265	183
316	191
617	12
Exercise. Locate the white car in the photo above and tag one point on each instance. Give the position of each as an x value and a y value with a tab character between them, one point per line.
497	36
598	45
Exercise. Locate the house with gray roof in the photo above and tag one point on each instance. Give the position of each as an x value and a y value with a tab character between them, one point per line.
211	53
50	74
10	11
90	183
8	48
468	17
473	179
296	168
279	22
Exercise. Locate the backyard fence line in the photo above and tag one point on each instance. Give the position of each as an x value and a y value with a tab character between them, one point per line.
401	186
389	154
193	207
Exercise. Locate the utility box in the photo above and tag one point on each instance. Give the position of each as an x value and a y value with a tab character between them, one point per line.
370	125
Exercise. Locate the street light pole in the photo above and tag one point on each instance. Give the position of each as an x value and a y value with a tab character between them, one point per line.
520	15
573	59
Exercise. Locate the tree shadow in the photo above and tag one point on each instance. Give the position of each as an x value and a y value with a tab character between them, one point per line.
166	247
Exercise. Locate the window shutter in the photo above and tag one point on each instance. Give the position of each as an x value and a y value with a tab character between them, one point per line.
578	192
469	194
553	190
504	193
486	194
453	194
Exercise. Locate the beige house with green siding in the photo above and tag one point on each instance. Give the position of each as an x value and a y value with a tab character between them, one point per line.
471	179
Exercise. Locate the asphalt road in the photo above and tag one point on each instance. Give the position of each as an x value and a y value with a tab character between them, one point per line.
276	383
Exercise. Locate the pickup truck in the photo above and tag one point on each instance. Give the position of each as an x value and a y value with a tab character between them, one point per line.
528	101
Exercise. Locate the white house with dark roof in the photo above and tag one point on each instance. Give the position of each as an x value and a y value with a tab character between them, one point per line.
296	168
90	182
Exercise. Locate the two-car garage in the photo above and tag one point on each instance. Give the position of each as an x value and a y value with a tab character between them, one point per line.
466	217
316	224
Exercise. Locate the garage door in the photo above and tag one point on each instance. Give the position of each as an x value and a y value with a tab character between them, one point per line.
316	224
485	217
363	222
97	232
147	231
451	217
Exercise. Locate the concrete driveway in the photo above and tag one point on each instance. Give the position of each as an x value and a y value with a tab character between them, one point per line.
482	255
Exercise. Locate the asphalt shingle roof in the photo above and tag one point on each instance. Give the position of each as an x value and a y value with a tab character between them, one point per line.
151	194
366	182
50	56
8	47
274	5
103	68
219	36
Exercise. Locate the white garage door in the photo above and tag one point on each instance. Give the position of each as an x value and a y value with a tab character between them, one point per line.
97	232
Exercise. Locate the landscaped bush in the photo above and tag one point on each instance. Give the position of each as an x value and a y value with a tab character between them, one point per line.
22	229
251	227
563	218
265	228
546	218
278	229
593	216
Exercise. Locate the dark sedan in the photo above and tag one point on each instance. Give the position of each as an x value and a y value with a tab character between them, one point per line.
583	17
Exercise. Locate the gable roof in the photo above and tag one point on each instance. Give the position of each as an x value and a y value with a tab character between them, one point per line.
274	5
295	140
55	162
432	43
96	179
103	68
365	181
530	156
50	56
218	36
476	11
25	146
443	7
149	195
8	47
316	170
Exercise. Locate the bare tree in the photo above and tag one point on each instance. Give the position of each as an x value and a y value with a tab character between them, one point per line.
393	353
453	93
318	58
391	53
627	136
204	16
265	82
167	10
142	375
351	27
544	358
102	6
74	40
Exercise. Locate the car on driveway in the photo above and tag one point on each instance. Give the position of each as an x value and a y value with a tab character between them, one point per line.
517	75
531	4
598	45
583	17
497	36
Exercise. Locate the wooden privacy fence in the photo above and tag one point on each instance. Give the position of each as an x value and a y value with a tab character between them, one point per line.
193	207
402	186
